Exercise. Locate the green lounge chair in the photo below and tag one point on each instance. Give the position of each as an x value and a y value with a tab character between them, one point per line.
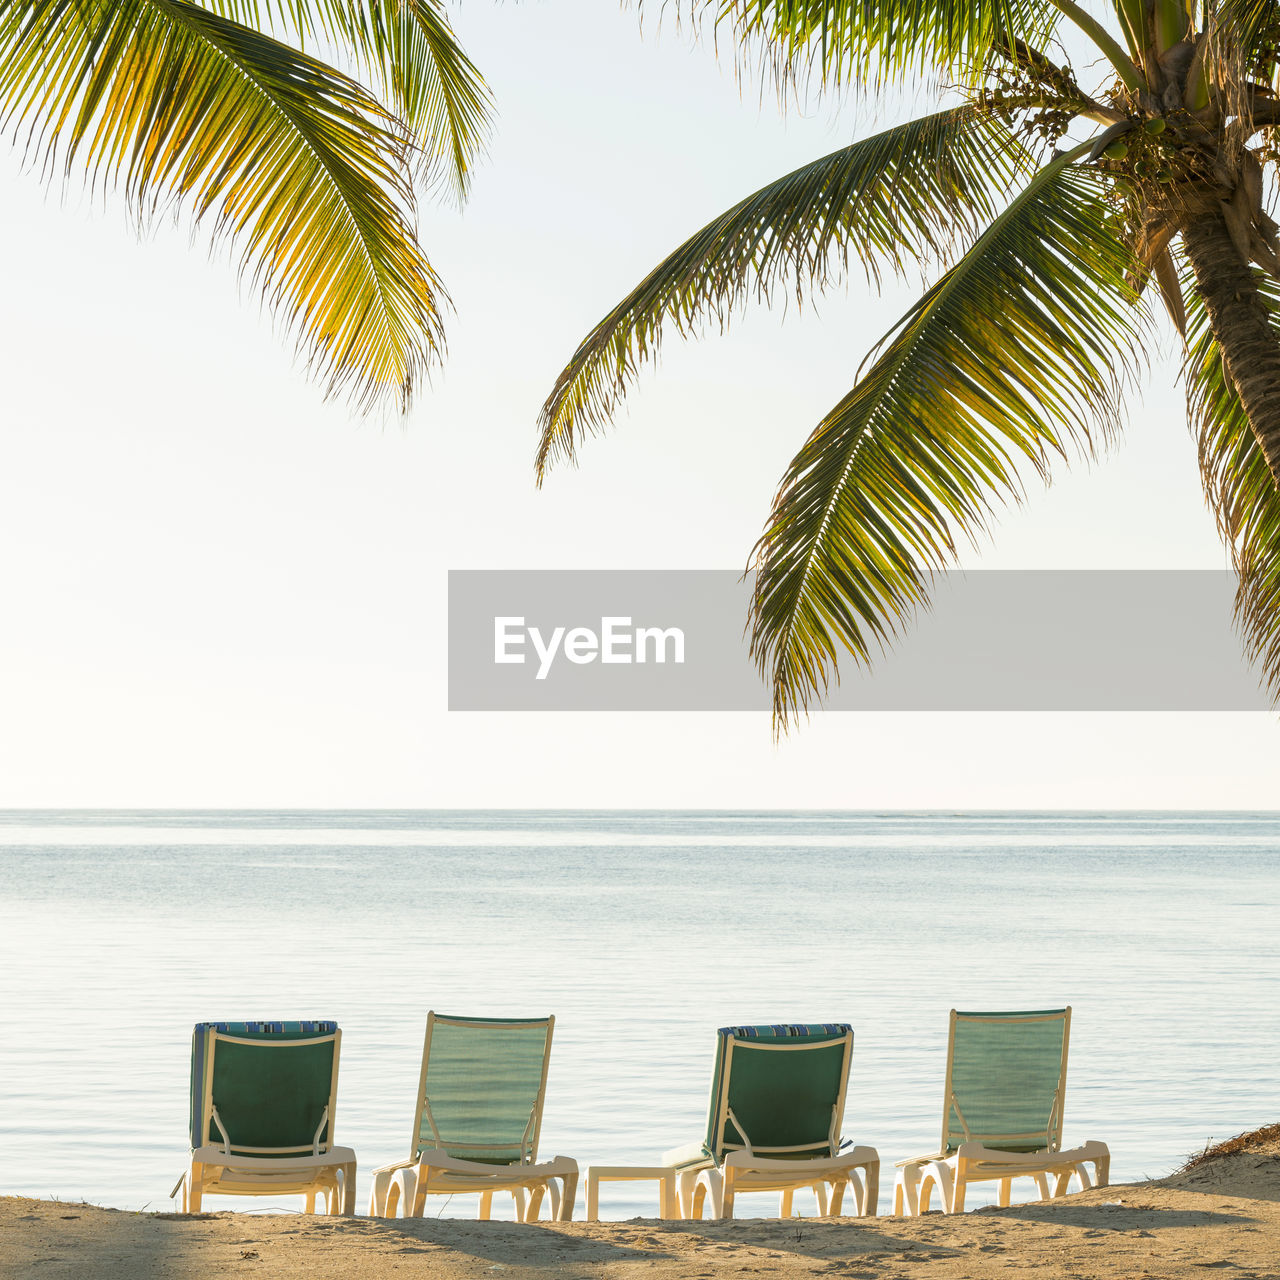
263	1096
477	1120
773	1124
1001	1113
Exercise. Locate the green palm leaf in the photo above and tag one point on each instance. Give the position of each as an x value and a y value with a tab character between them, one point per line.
293	161
1238	484
905	194
413	56
877	41
1016	353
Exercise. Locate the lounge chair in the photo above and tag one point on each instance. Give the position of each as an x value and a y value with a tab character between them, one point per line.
1001	1114
773	1124
263	1096
476	1122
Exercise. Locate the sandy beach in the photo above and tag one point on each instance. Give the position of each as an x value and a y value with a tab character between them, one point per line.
1222	1217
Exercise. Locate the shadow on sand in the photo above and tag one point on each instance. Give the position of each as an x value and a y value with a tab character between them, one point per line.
1130	1215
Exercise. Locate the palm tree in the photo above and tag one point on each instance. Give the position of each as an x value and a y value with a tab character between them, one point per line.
1050	209
193	110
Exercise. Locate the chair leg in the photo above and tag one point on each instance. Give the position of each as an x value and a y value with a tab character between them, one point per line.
722	1193
870	1205
392	1202
820	1195
535	1195
786	1203
486	1205
1042	1185
924	1194
668	1201
564	1211
348	1175
906	1192
193	1189
555	1192
686	1184
941	1175
709	1183
417	1182
378	1194
837	1194
1002	1197
1102	1171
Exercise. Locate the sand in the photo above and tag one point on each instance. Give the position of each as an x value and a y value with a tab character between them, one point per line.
1219	1218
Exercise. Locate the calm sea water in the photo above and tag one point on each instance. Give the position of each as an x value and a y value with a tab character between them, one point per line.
642	932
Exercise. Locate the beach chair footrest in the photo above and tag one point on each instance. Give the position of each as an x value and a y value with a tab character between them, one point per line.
663	1175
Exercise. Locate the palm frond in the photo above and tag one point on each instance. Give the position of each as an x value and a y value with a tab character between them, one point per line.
1015	354
1249	29
410	51
842	42
905	194
1238	484
289	159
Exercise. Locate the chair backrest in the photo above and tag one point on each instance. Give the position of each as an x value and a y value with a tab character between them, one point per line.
778	1090
1006	1080
482	1086
264	1088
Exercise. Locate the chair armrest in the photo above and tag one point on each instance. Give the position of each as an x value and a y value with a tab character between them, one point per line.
498	1172
692	1155
215	1155
851	1158
1034	1159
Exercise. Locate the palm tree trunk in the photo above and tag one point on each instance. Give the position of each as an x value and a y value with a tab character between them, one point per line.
1241	322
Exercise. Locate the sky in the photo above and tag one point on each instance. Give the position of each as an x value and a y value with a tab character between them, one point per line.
220	590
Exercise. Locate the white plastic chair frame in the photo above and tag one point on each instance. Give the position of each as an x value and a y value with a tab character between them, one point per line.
327	1171
748	1168
403	1187
975	1161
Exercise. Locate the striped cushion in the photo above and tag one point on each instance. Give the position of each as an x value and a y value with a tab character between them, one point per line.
325	1027
786	1030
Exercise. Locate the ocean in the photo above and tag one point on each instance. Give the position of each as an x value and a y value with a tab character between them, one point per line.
642	932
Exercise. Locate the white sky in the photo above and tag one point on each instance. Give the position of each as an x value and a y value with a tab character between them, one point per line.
219	590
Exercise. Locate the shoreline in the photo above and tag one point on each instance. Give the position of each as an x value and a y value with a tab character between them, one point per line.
1220	1214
